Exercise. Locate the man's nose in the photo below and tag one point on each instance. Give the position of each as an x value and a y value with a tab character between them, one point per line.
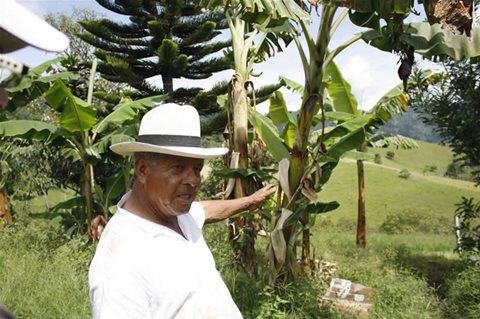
192	177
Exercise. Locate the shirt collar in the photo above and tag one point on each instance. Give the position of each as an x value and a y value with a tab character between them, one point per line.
150	228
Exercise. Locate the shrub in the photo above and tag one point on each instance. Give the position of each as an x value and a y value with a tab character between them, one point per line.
294	300
378	158
211	185
469	214
463	295
458	170
390	155
429	169
408	222
404	173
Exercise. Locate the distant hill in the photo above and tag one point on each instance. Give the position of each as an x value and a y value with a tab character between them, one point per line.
427	194
409	124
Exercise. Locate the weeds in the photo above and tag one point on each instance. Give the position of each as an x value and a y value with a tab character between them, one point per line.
43	273
463	295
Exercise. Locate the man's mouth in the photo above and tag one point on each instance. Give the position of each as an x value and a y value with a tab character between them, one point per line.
186	197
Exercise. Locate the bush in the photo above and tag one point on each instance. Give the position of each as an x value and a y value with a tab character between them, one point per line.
429	169
404	173
378	158
295	300
408	222
463	295
212	185
469	214
458	170
390	155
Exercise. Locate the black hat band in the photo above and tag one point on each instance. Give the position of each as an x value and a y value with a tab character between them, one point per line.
170	140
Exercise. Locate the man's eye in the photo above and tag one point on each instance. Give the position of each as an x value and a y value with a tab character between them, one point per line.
178	168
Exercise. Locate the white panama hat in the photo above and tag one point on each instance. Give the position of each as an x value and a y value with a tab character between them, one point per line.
19	27
171	129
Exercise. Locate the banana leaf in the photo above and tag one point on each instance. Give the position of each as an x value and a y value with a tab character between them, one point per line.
76	115
27	129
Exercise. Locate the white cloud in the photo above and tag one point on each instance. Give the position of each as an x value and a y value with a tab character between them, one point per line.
358	70
370	72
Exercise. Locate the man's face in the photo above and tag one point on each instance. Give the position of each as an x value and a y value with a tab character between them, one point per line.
170	183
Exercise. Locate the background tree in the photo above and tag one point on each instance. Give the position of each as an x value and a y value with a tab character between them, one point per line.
172	39
29	104
78	58
453	107
82	133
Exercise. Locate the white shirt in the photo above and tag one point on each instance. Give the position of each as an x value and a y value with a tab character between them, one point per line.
145	270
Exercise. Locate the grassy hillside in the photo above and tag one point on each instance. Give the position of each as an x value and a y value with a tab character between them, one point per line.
430	196
387	193
417	159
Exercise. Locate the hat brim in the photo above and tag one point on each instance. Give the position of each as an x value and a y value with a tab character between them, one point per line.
129	148
21	28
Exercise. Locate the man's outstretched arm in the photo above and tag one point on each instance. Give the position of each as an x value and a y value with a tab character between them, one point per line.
217	210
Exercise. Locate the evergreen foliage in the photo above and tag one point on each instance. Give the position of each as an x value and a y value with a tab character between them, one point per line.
173	39
78	58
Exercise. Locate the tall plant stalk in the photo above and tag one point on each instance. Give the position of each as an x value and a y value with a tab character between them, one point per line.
312	101
242	234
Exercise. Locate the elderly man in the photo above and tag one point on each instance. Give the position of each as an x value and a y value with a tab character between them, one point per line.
152	260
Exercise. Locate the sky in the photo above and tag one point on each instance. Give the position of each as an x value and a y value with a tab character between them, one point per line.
370	72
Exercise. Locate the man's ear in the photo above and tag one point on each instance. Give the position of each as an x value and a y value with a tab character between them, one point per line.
141	166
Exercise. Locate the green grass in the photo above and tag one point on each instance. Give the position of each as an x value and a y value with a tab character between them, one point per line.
43	274
41	204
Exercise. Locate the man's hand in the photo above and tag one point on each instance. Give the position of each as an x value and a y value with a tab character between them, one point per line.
96	227
260	196
217	210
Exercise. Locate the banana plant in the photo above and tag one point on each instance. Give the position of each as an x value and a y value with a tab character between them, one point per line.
305	153
22	91
256	27
84	135
326	146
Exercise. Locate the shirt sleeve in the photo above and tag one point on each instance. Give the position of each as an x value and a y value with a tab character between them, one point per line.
198	214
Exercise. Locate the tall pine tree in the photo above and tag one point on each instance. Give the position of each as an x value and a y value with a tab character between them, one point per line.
172	39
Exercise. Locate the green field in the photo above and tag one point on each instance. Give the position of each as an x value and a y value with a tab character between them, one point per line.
426	195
